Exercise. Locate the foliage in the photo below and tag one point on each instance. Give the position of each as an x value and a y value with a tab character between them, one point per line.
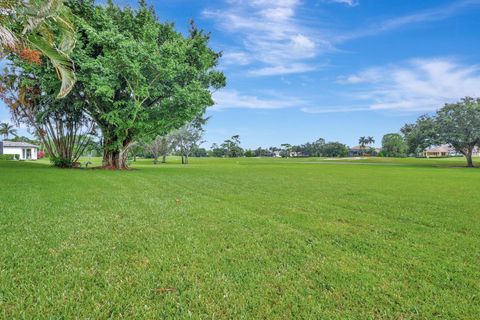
6	129
139	78
365	142
160	146
232	148
393	145
420	135
259	152
456	124
60	124
286	149
7	157
199	152
249	153
310	149
334	149
25	139
217	151
188	138
29	29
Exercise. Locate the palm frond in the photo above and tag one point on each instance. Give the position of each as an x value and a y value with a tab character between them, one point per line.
60	61
7	38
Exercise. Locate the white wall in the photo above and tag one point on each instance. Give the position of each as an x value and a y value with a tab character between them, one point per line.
18	151
10	150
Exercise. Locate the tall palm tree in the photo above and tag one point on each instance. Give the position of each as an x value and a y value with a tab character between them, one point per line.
7	129
27	25
370	140
362	142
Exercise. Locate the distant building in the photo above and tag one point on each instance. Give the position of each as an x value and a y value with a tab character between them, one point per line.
363	151
296	154
21	150
439	151
476	152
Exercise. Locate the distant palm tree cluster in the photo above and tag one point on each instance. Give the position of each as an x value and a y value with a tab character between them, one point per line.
364	142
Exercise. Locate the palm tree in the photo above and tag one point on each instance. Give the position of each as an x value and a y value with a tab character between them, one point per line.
365	141
7	129
38	20
370	140
362	142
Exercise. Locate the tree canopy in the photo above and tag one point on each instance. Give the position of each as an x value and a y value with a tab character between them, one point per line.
393	145
456	124
138	77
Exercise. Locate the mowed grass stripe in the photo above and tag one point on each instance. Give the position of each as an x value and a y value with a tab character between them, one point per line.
240	238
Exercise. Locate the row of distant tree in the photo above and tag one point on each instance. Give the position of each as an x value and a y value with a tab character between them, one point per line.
457	125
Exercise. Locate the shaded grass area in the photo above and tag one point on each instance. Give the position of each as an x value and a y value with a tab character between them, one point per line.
241	238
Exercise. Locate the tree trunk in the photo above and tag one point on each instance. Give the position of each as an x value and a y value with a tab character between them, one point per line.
164	158
113	159
116	159
186	160
468	155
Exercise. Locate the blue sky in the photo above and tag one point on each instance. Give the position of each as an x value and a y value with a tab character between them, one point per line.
338	69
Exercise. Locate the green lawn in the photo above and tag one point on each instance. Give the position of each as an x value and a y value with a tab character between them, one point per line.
242	239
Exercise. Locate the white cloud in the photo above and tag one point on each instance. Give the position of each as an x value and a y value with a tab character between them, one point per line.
230	99
275	37
334	109
350	3
418	85
271	35
370	75
434	14
278	70
236	57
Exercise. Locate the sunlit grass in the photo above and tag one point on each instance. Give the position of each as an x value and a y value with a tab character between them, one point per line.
241	238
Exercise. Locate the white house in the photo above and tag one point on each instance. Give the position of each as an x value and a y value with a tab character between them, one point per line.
21	150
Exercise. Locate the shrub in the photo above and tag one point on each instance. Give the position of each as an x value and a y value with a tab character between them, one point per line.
7	157
249	154
61	162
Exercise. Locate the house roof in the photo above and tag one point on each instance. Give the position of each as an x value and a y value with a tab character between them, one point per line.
12	144
358	148
442	148
364	148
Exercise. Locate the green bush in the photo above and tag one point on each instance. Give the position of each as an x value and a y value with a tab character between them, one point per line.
61	163
7	157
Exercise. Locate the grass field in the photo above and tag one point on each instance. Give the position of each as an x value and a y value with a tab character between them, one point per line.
242	239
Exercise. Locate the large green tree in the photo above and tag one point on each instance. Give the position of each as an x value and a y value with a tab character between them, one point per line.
420	135
139	78
334	149
393	145
456	124
232	147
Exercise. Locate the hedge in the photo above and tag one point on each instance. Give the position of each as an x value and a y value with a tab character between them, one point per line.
7	157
